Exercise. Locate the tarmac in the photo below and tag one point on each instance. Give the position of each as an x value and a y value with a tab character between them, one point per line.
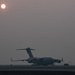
36	68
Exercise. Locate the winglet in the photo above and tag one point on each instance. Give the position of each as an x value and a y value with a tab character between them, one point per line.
11	59
62	59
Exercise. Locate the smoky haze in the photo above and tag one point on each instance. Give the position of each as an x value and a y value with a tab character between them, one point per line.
45	25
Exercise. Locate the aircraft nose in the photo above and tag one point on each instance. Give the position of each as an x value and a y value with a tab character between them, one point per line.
58	61
26	59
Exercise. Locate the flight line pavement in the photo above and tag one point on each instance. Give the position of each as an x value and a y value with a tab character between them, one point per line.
36	68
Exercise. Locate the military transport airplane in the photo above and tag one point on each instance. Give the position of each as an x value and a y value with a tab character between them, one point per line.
38	61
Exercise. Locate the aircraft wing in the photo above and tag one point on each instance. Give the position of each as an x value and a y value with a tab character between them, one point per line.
17	60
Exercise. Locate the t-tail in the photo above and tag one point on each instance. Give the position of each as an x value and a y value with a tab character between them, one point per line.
28	51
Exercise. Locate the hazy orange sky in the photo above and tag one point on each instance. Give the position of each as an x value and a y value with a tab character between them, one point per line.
46	25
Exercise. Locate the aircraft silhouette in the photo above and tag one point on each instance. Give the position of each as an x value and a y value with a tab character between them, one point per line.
38	61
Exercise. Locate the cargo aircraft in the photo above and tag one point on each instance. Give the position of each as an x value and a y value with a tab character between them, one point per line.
38	61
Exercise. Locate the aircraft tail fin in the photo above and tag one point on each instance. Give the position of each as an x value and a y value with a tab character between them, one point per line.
28	51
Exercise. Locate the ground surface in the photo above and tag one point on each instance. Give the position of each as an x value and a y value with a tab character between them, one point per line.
36	68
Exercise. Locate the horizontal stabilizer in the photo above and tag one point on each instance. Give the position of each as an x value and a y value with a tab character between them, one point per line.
26	49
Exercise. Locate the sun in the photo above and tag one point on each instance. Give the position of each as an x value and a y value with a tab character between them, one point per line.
3	6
